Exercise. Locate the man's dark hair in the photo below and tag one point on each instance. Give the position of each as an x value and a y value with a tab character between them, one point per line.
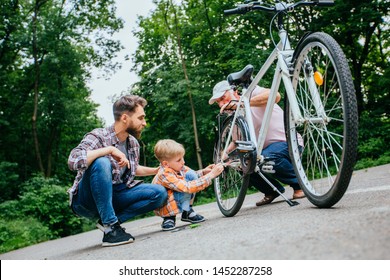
127	103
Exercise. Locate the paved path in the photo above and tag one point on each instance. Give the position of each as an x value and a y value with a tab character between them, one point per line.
357	228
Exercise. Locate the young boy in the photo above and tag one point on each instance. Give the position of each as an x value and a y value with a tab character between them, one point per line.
181	182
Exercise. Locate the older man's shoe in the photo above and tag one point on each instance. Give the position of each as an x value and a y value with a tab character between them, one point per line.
298	194
267	199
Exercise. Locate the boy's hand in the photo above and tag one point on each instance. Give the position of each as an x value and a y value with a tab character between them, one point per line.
217	169
208	169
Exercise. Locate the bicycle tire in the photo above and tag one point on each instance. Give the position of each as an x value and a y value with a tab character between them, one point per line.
231	185
325	167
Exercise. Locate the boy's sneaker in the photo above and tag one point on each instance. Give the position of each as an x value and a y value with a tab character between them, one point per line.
117	236
191	216
200	216
169	223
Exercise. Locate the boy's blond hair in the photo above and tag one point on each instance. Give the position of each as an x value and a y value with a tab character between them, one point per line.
167	149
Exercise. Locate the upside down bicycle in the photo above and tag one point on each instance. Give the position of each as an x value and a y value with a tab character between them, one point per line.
320	105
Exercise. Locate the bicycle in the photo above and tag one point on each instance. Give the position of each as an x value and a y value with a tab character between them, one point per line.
320	105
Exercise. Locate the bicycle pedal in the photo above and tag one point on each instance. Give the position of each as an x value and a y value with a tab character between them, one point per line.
245	146
268	167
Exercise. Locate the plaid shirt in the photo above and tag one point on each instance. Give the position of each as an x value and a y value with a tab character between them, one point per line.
174	181
100	138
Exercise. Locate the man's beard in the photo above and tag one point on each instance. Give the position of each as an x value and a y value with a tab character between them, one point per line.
133	132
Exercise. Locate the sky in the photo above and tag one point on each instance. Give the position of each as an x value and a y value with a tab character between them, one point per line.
103	89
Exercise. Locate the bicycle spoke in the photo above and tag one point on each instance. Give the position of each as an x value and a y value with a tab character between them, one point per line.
230	187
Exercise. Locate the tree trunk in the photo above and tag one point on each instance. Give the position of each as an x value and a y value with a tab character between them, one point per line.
184	67
36	88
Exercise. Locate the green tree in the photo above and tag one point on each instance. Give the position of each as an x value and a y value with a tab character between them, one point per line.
47	50
363	30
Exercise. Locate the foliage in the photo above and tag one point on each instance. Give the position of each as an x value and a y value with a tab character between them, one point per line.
8	181
373	143
46	201
41	213
21	233
362	29
46	51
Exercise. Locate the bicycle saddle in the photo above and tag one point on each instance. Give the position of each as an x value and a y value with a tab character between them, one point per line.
242	77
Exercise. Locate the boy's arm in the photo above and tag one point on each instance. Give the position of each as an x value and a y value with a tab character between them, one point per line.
171	181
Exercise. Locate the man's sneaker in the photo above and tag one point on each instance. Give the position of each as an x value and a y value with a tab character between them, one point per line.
192	217
117	236
169	223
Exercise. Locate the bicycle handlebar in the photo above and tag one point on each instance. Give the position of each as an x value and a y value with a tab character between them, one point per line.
279	6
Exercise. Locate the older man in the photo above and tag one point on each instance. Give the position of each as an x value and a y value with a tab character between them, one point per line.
275	145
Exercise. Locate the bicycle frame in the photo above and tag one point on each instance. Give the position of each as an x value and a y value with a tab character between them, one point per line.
283	54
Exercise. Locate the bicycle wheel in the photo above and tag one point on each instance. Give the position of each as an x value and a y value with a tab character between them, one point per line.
230	187
325	167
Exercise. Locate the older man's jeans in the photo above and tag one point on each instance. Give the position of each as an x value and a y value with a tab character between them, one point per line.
284	171
97	198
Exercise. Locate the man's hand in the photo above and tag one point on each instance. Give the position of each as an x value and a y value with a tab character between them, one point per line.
109	150
120	157
227	107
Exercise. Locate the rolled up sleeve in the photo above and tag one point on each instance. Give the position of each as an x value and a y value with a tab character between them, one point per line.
78	156
77	159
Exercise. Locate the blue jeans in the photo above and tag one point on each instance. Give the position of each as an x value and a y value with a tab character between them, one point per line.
183	199
98	198
284	171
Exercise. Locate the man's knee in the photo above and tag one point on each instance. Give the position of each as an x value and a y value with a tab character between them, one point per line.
161	194
101	164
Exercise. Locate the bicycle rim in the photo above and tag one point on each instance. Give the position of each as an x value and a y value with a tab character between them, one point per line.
325	167
230	187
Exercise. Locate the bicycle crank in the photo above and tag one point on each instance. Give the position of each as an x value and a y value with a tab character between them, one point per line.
246	152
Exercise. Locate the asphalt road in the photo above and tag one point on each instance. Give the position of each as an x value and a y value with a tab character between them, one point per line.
357	228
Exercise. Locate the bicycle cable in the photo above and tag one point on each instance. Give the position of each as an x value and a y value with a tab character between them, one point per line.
279	27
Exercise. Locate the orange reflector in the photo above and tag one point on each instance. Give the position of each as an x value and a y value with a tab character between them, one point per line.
318	78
